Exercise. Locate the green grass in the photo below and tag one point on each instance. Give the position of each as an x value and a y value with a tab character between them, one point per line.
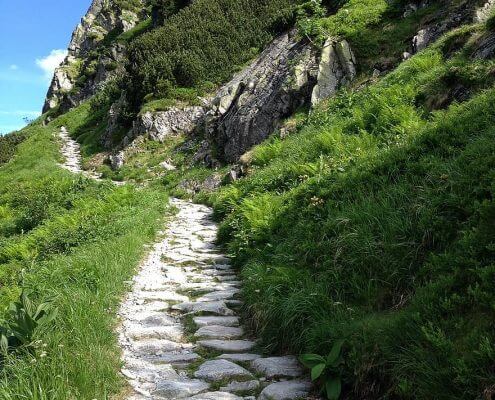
374	223
75	241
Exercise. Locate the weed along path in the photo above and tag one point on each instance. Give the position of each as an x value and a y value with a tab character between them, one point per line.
181	333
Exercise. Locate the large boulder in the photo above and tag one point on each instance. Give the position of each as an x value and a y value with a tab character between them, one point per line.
337	68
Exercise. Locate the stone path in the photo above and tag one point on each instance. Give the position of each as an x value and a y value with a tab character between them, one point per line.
181	334
71	150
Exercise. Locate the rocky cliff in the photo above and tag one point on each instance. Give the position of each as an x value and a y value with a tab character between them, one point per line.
94	56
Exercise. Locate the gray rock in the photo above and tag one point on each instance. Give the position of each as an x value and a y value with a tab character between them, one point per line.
214	307
219	332
215	396
219	370
337	68
117	160
288	390
241	387
160	125
227	346
483	13
241	357
250	107
223	321
179	389
278	367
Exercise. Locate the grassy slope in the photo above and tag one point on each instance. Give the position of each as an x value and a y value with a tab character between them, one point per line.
75	241
374	223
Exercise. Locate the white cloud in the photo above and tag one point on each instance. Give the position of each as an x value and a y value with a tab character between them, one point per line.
51	61
14	67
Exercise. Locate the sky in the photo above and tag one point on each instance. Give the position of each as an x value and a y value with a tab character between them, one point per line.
34	35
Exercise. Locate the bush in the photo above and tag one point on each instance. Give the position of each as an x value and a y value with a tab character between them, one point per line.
203	42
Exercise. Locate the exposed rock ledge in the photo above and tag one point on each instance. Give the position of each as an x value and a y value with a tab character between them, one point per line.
244	112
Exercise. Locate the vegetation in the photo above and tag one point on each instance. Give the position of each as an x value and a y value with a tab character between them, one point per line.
374	224
203	42
8	145
73	242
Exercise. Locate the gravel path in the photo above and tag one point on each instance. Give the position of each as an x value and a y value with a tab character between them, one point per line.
181	335
71	150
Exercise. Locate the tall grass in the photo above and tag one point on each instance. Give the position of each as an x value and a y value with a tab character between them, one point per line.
76	242
374	223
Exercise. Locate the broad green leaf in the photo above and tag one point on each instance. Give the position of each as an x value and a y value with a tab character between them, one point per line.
311	360
317	371
333	387
333	357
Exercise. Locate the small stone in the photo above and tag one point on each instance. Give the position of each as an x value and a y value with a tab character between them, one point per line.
219	370
228	346
288	390
278	367
215	396
214	307
223	321
241	357
219	332
179	389
241	387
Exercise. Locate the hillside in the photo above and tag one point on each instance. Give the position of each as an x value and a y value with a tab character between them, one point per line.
347	150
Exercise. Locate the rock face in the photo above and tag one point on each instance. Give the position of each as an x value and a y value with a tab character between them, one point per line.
248	109
483	13
160	125
337	68
90	74
446	19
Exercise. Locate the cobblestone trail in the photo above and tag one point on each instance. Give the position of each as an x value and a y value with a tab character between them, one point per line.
181	335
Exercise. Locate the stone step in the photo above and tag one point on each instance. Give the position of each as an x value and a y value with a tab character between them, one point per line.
227	346
213	307
222	321
219	332
221	370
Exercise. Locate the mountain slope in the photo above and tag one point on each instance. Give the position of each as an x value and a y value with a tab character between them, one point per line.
347	148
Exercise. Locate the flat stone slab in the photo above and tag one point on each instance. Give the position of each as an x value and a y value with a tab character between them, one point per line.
278	367
241	387
173	333
287	390
179	389
155	346
215	396
174	358
220	370
241	357
219	295
227	346
223	321
219	332
214	307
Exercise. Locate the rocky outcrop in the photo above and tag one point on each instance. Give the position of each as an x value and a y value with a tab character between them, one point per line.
288	74
337	68
483	13
447	18
82	74
160	125
249	108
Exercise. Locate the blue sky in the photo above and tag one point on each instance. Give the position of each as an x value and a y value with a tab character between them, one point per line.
33	35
